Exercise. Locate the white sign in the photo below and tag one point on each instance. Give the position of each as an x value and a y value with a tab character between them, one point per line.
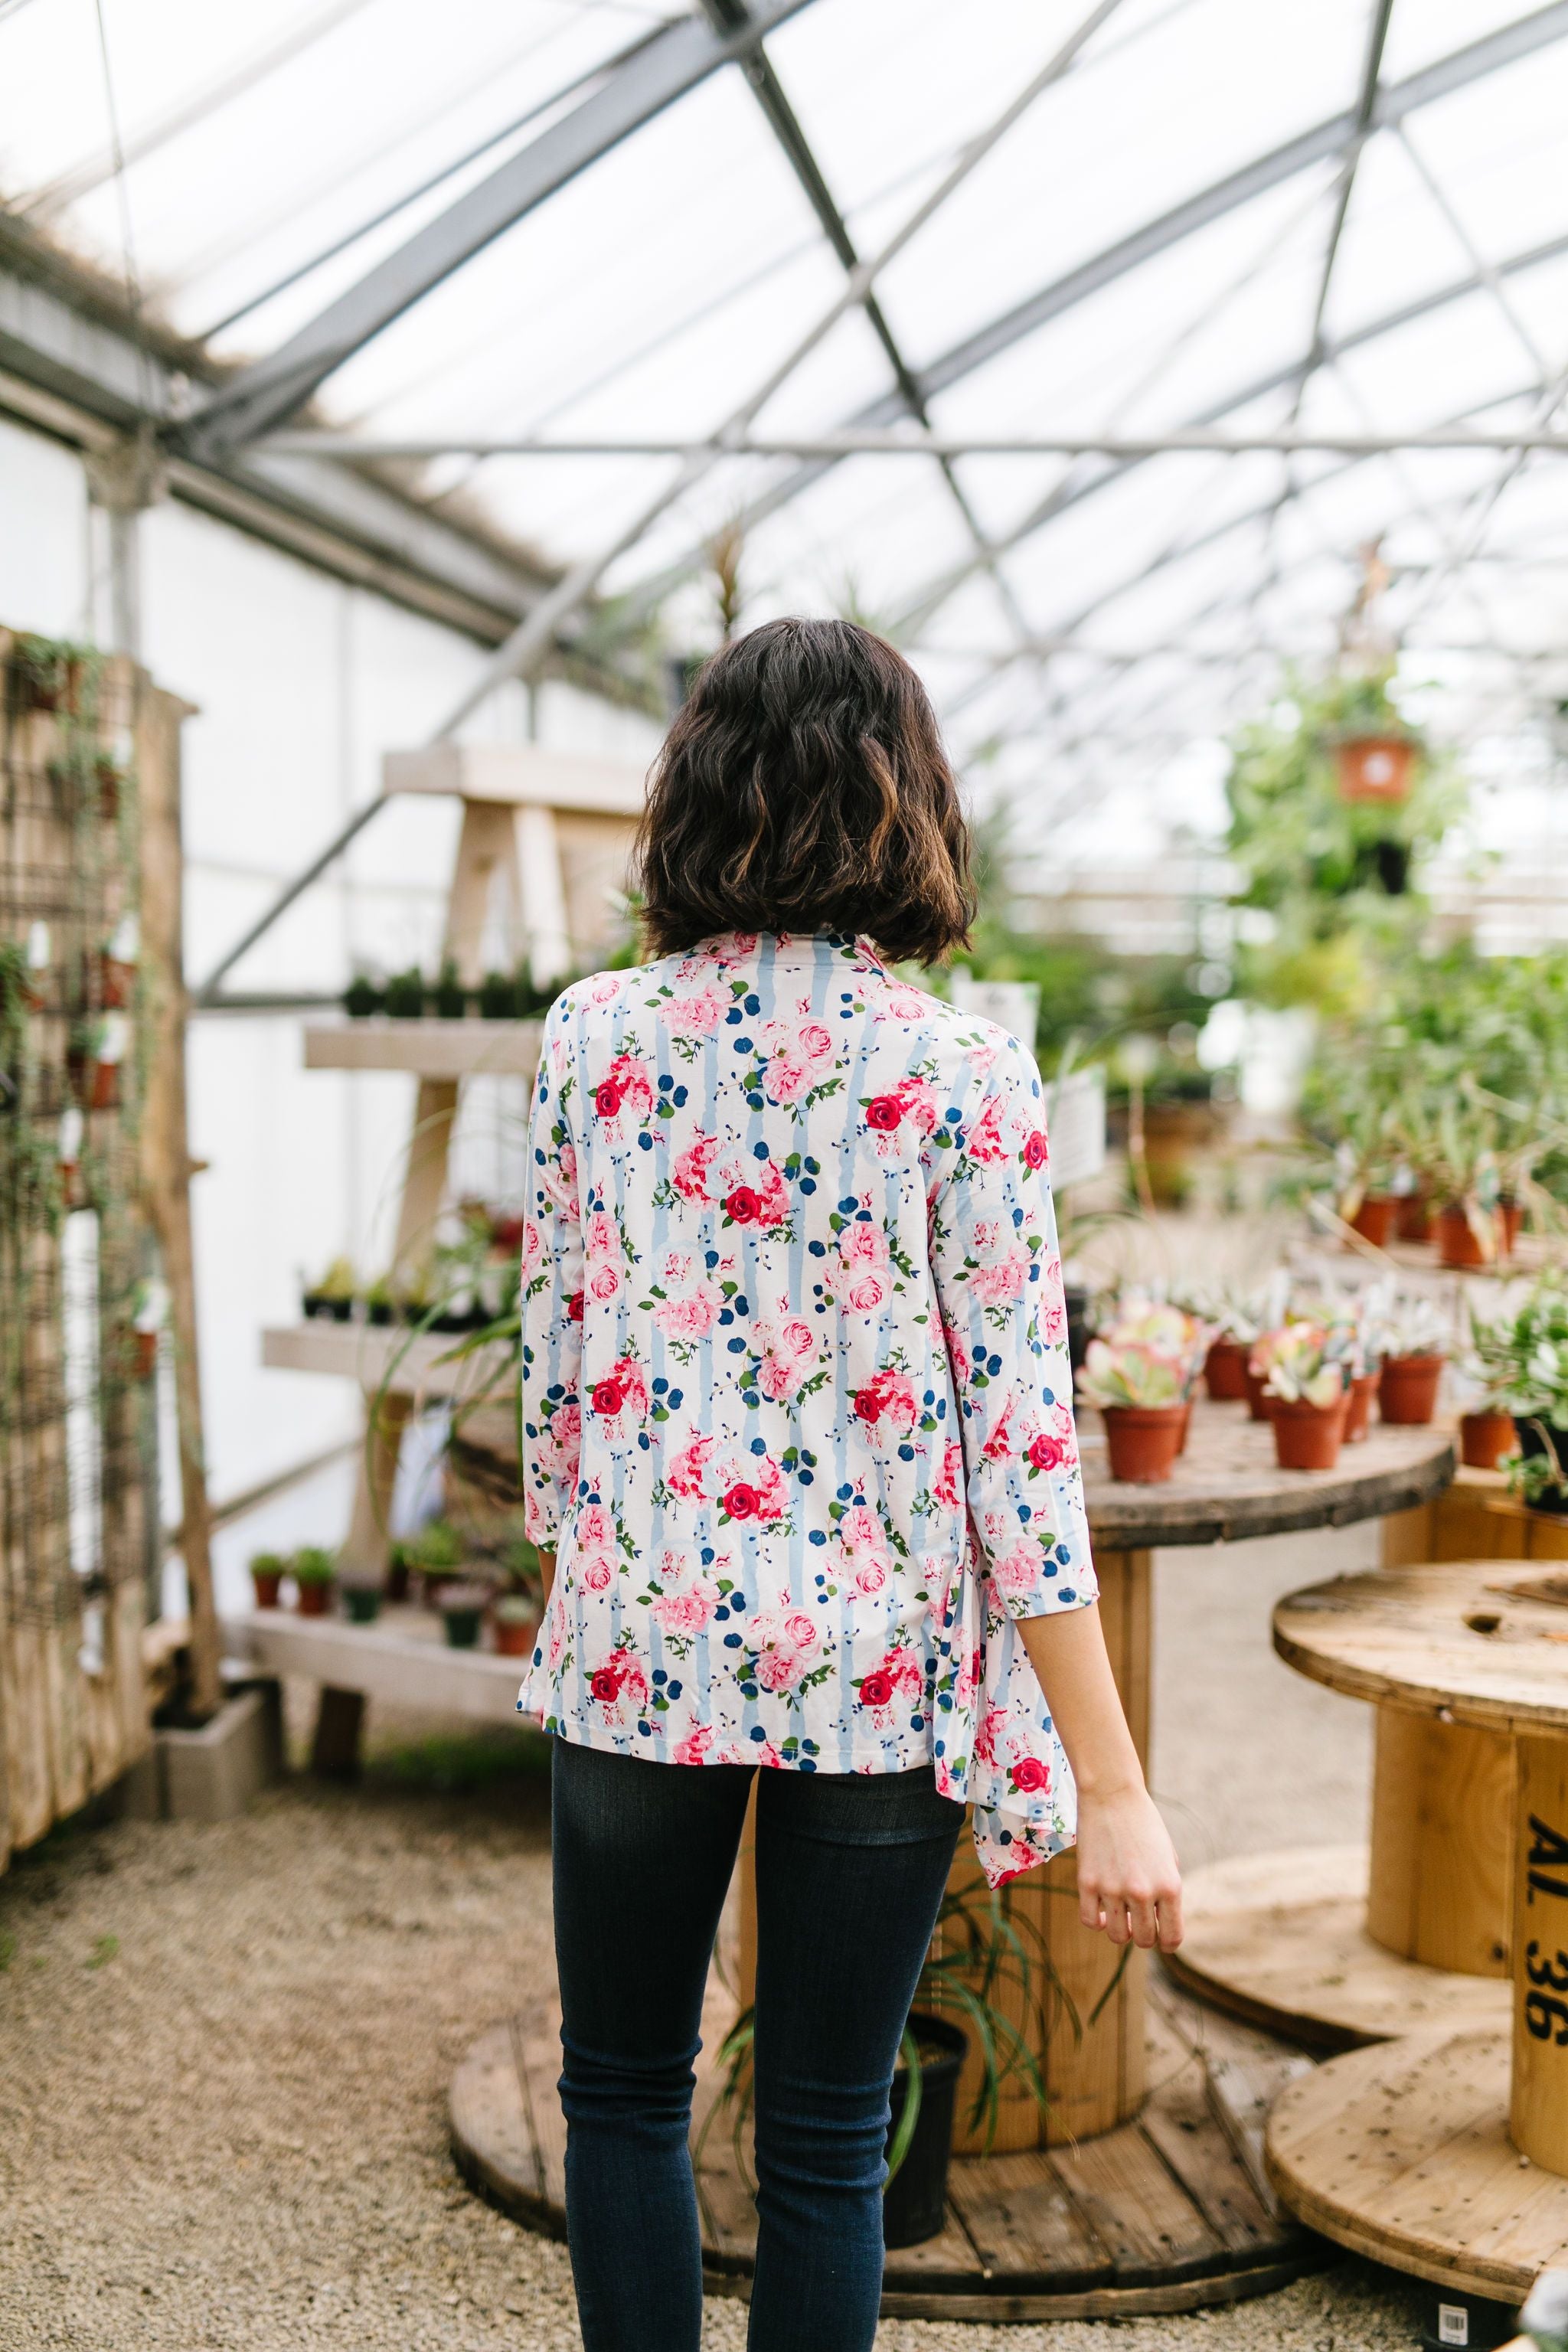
1075	1123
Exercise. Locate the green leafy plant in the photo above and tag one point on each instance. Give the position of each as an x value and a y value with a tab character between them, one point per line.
312	1565
451	997
404	995
362	997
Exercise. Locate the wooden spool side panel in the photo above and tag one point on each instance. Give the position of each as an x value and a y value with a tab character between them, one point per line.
1538	2114
1440	1887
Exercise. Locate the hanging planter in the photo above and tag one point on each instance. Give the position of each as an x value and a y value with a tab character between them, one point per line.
67	1148
117	964
110	777
94	1058
1375	767
47	677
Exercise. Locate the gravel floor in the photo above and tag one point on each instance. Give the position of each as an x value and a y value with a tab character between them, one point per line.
225	2049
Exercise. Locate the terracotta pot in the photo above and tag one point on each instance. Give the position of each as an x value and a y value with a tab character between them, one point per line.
1510	1218
1485	1438
1260	1404
1412	1218
1375	767
1408	1389
117	983
144	1354
1458	1243
314	1598
1374	1221
1225	1372
1358	1407
1307	1436
516	1640
268	1587
1143	1440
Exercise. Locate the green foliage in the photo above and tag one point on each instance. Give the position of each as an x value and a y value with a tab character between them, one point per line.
1338	880
312	1565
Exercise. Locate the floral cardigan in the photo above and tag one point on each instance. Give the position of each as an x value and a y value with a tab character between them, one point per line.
796	1392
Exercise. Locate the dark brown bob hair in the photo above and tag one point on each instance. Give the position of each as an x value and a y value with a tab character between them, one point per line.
804	787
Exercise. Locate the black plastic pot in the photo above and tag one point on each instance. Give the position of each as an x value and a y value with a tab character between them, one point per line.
362	1602
914	2204
1078	1332
1532	1445
320	1309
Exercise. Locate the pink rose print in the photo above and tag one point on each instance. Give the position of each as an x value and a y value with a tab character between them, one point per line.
795	1056
692	1316
602	1282
990	1730
868	1564
1055	1448
757	1197
695	1017
1037	1150
688	1608
693	1748
684	1476
594	1573
1017	1570
887	1405
947	1488
914	1102
619	1681
906	1003
898	1676
689	1173
787	1359
602	988
985	1143
533	1248
1003	1267
754	1488
999	1446
1030	1775
620	1399
623	1099
783	1644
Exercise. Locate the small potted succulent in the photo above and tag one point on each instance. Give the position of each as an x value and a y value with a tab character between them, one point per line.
1415	1347
380	1300
451	998
463	1610
404	995
399	1564
1490	1375
1143	1398
517	1624
1307	1382
268	1569
331	1299
313	1579
118	962
361	998
1225	1366
1525	1357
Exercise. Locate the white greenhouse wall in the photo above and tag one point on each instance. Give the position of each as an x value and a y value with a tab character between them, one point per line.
300	682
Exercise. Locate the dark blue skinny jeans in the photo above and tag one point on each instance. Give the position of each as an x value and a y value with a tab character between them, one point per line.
850	1872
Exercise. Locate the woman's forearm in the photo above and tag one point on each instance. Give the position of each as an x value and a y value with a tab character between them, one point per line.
1127	1879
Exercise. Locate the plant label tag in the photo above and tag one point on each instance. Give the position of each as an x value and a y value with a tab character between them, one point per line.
1075	1122
1453	2324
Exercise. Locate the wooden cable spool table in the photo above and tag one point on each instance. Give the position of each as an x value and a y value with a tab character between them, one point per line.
1337	1947
1445	2151
1143	2190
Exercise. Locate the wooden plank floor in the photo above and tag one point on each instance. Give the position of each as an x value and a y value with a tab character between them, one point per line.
1169	2212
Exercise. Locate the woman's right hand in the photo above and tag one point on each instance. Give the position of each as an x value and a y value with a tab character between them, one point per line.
1128	1880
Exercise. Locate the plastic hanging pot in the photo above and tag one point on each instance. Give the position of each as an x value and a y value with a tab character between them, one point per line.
914	2204
1375	767
1532	1443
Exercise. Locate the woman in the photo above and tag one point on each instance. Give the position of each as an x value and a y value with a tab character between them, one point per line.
798	1446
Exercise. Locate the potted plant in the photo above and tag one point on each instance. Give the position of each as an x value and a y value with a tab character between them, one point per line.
463	1612
404	995
149	1314
46	675
517	1625
68	1150
362	1599
1235	1326
94	1055
398	1565
110	777
1491	1374
380	1300
331	1299
313	1579
117	964
266	1572
451	997
1307	1382
497	997
1522	1359
1414	1349
361	998
438	1552
1141	1397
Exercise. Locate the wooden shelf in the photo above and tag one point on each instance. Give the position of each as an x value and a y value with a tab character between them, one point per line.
426	1049
406	1661
377	1356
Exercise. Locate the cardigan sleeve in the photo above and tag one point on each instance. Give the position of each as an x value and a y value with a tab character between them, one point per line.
999	1275
550	1407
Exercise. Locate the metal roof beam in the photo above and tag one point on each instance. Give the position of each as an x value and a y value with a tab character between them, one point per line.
1505	47
1192	441
676	60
